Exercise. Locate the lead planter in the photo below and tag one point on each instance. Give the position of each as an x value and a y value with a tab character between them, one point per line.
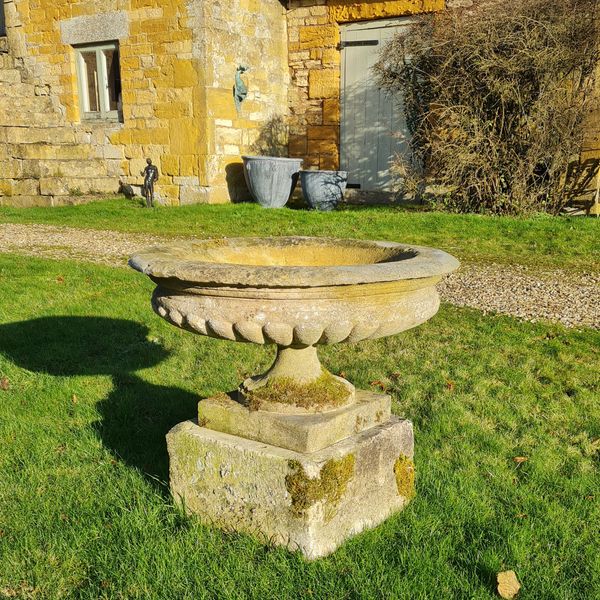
323	190
295	456
271	180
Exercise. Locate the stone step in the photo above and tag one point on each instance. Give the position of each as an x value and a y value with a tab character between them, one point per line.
59	186
19	187
26	201
11	89
45	151
10	168
37	135
6	61
92	168
10	76
75	186
39	117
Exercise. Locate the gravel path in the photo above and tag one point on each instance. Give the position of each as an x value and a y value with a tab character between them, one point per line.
569	298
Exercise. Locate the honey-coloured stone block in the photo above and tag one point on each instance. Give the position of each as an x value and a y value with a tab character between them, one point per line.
331	111
184	73
319	35
323	83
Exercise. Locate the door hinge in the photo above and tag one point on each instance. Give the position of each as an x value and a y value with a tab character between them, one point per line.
343	45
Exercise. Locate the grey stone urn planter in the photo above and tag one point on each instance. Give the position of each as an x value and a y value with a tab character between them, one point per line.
271	180
323	190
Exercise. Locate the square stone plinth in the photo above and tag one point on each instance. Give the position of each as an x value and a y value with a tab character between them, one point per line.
302	433
307	502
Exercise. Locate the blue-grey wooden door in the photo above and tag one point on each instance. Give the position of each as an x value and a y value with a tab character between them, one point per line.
373	127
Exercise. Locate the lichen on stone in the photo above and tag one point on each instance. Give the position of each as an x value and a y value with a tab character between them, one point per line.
404	470
325	391
329	487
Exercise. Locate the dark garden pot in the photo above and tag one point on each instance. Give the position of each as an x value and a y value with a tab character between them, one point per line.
323	190
271	180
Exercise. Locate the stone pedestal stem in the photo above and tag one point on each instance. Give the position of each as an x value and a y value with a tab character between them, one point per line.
300	364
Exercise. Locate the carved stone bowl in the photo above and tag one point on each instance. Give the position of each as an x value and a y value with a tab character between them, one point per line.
295	292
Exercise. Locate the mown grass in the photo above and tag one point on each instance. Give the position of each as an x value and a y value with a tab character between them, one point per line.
540	241
96	380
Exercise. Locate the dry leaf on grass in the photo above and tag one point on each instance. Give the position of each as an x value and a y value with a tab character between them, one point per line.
508	584
520	459
4	384
382	386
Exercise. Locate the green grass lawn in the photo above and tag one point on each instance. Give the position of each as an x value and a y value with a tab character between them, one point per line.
96	380
543	241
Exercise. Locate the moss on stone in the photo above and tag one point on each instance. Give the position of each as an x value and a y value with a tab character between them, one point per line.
329	487
404	470
222	398
324	391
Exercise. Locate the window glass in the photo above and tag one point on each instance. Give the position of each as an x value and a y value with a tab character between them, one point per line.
114	77
99	81
91	90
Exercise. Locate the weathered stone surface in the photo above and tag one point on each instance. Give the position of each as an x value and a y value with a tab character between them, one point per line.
301	433
193	194
323	83
296	292
88	29
310	503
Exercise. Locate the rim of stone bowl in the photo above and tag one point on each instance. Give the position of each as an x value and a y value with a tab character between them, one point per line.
168	262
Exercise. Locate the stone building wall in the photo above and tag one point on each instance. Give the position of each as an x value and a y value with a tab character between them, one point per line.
177	64
315	62
232	33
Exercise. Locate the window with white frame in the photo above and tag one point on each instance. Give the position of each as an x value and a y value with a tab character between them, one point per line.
99	81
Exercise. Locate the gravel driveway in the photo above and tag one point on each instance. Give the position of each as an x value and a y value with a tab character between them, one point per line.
569	298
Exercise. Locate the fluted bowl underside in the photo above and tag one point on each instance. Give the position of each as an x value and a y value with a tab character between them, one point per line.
290	262
294	291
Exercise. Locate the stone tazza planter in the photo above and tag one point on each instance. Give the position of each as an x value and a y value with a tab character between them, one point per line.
271	180
296	455
323	190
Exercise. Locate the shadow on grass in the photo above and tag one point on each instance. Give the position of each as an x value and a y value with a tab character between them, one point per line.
136	415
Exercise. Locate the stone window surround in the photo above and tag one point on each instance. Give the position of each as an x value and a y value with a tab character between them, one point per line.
92	29
103	115
97	29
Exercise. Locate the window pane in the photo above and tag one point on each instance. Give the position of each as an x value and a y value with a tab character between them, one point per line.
2	22
114	78
91	69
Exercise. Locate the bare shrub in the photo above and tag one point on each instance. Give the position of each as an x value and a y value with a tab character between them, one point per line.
496	97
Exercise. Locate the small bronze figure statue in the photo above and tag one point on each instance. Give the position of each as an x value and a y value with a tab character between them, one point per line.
150	174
